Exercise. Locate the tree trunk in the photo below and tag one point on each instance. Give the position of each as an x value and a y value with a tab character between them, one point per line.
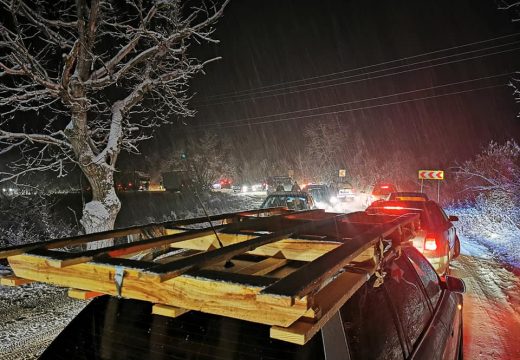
100	213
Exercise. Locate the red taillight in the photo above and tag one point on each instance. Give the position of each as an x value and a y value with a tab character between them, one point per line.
385	187
430	243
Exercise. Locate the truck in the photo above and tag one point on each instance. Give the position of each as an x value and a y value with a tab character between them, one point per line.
175	180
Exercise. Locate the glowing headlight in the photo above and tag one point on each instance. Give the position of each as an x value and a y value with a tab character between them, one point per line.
245	188
333	199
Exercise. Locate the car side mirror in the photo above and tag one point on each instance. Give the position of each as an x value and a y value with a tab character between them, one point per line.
453	218
454	284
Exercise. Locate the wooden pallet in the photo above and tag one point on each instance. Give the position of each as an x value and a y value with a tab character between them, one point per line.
289	270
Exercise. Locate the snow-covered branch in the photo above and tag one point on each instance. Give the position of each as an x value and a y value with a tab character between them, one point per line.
95	77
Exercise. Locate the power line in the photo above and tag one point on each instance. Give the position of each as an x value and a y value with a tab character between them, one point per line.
365	79
351	110
360	68
366	99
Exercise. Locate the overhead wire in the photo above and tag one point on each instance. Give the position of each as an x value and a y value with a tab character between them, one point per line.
364	79
365	100
363	67
217	127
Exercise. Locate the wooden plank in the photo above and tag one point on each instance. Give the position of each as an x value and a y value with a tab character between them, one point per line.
264	267
296	249
62	259
12	280
169	311
310	276
329	300
83	239
291	249
82	294
222	297
176	268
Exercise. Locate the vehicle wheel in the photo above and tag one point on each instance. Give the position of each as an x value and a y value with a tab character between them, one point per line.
456	251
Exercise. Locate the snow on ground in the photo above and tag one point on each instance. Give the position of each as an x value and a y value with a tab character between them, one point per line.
499	236
251	200
490	266
491	303
31	317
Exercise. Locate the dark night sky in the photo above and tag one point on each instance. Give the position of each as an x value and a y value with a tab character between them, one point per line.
272	41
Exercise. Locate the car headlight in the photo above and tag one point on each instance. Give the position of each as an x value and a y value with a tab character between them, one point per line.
333	199
245	188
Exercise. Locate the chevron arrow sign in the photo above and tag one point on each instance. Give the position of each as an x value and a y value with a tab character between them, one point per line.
431	174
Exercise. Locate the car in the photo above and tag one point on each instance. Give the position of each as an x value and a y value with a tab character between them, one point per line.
225	183
322	195
411	314
436	236
345	192
293	200
275	183
382	191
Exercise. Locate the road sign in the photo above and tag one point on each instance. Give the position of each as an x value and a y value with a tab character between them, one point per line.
431	174
342	173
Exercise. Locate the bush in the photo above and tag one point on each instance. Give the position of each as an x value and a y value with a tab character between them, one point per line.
492	220
25	220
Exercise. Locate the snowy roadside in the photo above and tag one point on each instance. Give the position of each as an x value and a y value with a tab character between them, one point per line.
491	309
500	237
32	316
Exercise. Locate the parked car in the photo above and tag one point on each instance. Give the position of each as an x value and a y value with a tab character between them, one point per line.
436	237
413	314
297	200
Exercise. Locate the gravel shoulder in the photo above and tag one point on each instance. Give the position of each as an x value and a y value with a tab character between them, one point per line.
32	316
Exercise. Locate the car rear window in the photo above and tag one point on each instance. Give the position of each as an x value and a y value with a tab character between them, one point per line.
404	290
111	328
369	325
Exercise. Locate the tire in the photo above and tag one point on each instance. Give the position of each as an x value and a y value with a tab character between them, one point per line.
456	251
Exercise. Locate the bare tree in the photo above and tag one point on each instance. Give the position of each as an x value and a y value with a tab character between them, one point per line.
84	80
496	168
515	84
512	6
205	158
325	148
